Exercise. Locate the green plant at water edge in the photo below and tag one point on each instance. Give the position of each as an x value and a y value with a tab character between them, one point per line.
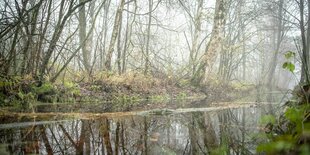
290	134
45	88
72	88
47	92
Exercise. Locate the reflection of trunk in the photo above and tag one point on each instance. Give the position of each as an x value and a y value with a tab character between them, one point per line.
117	138
30	143
105	127
224	132
193	136
45	141
209	136
201	127
123	138
84	139
67	135
145	149
243	131
56	141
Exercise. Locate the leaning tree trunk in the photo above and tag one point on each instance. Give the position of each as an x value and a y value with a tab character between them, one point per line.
56	34
117	22
214	45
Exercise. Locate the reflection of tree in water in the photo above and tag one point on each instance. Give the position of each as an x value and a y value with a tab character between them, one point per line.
202	135
237	130
187	133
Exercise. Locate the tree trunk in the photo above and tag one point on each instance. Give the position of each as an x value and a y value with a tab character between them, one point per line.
117	21
119	48
214	45
273	65
147	55
86	49
197	26
56	35
128	36
305	44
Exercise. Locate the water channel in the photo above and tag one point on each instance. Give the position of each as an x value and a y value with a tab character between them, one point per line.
203	130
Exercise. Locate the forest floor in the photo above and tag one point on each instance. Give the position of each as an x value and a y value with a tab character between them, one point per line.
114	93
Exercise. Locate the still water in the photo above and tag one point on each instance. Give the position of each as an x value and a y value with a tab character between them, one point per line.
234	130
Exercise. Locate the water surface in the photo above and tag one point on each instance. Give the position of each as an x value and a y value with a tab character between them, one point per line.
161	131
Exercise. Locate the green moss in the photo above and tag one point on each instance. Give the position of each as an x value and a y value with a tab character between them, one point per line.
45	88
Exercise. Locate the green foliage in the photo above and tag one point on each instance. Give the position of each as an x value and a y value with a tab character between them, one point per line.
5	83
304	149
45	88
276	146
289	66
267	119
222	150
72	88
295	127
289	54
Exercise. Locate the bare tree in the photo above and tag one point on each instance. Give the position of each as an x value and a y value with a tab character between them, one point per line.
117	22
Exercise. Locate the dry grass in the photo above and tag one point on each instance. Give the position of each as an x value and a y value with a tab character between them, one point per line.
137	80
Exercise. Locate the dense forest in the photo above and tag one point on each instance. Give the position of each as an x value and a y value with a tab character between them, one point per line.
225	40
61	51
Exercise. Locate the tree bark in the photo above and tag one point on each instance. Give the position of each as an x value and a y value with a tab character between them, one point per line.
56	35
86	49
147	55
305	44
117	21
214	45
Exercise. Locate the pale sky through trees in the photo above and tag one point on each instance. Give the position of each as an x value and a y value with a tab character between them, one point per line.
175	43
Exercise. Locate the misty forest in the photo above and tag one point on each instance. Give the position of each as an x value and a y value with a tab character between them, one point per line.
155	77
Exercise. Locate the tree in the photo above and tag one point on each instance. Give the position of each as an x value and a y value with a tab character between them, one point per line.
115	31
87	47
57	32
279	36
305	41
147	53
215	43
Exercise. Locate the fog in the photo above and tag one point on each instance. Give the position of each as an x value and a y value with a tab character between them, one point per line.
241	41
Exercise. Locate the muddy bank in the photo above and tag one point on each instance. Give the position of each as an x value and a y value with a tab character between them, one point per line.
109	94
7	116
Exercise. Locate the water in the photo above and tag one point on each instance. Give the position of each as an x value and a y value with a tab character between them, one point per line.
183	131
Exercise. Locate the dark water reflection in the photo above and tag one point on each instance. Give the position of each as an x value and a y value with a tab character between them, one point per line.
235	130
